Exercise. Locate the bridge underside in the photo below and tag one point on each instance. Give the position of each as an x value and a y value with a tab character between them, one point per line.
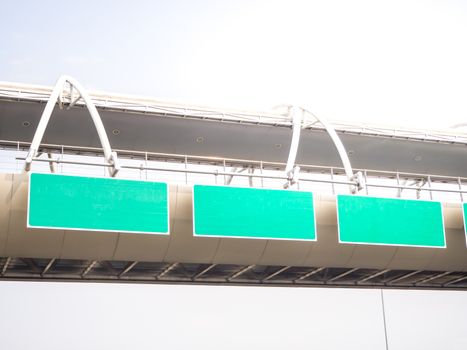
225	274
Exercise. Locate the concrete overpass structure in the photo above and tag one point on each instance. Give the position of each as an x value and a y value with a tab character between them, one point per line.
185	145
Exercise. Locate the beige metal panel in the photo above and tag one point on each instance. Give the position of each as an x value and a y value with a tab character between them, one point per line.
327	251
240	251
454	257
413	258
453	216
141	247
286	252
24	242
183	246
325	209
6	181
374	257
89	245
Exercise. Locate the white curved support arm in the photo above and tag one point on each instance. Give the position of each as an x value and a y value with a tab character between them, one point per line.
110	157
358	177
291	170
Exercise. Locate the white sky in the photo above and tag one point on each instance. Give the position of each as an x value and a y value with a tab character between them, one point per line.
391	62
76	316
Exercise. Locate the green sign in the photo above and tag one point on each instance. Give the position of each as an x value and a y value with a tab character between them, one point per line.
98	204
464	211
385	221
221	211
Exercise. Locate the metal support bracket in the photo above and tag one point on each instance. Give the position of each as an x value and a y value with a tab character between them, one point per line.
229	178
292	171
418	185
57	96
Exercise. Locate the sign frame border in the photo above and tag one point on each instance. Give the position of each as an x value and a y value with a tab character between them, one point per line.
463	221
246	237
391	244
97	230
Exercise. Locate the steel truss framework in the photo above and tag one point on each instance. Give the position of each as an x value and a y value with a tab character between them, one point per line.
56	269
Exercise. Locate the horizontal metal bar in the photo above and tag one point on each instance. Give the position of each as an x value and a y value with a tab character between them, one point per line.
189	171
59	161
143	154
227	173
303	167
428	189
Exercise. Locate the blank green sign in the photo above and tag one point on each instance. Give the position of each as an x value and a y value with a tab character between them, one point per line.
464	207
104	204
390	221
253	213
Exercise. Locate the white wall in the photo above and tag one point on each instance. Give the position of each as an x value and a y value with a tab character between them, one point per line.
45	315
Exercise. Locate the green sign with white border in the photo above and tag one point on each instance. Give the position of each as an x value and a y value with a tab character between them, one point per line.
71	202
241	212
464	213
390	221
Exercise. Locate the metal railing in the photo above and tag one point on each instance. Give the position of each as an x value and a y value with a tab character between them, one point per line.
189	169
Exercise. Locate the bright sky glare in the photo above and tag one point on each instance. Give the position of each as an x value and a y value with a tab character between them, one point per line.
385	62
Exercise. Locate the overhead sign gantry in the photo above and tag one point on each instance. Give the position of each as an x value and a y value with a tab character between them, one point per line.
210	226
